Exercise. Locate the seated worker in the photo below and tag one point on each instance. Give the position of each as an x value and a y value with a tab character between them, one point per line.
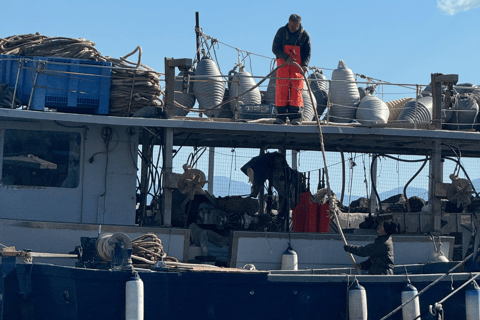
380	252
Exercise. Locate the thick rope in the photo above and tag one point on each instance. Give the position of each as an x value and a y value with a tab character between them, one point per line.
148	248
331	201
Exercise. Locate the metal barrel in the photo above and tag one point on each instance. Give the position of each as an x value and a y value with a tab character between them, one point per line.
242	81
372	110
344	94
209	87
414	112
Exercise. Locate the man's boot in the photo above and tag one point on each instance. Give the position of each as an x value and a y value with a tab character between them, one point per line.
295	114
281	115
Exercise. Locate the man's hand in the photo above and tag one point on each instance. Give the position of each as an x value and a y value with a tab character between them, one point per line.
304	69
290	60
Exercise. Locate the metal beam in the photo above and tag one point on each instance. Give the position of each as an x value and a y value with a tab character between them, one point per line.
436	176
144	179
211	168
167	169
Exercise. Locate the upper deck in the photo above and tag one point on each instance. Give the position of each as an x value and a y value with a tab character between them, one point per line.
383	139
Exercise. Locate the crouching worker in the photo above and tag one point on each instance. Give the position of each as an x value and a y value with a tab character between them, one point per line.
380	252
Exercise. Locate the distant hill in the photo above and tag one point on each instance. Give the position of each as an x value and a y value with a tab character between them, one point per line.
411	191
221	186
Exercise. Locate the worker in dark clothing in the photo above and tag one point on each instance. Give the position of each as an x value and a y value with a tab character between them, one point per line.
291	44
380	252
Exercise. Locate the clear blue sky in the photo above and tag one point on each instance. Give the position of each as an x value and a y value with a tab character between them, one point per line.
397	41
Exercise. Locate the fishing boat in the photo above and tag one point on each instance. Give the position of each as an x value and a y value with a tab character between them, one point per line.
74	217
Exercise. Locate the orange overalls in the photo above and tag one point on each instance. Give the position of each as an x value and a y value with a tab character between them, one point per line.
289	85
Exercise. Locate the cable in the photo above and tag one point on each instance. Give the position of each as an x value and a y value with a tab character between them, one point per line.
409	181
374	187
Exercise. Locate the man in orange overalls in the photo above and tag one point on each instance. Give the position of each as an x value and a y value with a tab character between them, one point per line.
291	44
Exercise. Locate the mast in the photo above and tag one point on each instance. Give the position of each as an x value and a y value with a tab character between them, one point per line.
197	28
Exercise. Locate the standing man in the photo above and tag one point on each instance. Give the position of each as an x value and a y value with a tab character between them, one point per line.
291	44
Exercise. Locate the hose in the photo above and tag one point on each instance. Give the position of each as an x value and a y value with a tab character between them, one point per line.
371	173
409	181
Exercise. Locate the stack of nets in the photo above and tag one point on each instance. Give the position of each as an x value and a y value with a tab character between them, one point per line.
148	249
133	85
37	45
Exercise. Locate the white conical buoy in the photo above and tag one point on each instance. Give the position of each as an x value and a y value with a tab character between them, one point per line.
472	301
357	302
289	259
412	309
134	298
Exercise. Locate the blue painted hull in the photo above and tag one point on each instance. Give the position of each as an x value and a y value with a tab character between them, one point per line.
54	292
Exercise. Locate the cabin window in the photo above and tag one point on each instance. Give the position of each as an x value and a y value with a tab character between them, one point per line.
41	158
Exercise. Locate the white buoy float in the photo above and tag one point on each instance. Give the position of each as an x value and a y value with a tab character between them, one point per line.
289	259
472	301
357	302
412	309
134	298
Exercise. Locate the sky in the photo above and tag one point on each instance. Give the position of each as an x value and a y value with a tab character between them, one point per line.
399	41
395	41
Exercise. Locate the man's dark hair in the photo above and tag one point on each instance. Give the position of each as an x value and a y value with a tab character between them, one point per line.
295	18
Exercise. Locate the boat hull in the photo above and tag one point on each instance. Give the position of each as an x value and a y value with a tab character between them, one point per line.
42	291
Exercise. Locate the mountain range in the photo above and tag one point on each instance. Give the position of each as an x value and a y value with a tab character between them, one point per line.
223	187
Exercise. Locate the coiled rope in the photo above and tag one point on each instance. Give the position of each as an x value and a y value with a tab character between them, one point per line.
38	45
148	249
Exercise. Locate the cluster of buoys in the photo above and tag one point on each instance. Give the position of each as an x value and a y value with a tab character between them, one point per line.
357	302
348	102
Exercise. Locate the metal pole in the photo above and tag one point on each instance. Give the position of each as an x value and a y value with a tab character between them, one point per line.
169	87
197	28
373	198
261	197
437	101
144	181
211	166
167	169
294	159
435	177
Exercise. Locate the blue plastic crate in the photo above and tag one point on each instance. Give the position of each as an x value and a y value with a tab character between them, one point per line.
68	85
9	72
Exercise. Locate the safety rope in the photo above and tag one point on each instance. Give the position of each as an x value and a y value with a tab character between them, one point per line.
331	200
458	289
